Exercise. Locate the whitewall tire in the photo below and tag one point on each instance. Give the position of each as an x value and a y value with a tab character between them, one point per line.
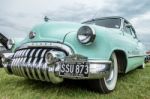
107	84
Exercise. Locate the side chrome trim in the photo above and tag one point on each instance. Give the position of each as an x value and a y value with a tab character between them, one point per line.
133	56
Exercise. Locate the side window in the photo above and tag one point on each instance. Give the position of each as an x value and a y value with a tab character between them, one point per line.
127	29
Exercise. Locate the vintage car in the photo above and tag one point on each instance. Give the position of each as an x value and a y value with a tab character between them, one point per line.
96	50
5	46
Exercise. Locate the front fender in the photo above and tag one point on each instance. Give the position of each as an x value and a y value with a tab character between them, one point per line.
99	49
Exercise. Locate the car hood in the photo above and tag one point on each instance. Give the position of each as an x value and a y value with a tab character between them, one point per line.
58	32
54	31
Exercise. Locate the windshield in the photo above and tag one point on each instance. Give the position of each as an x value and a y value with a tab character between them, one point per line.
109	22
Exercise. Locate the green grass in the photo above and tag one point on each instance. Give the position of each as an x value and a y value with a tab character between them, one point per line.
134	85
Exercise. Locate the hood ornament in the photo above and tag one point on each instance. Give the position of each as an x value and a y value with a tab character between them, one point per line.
46	19
32	35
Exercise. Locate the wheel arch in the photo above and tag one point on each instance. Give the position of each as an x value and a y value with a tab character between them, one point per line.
121	60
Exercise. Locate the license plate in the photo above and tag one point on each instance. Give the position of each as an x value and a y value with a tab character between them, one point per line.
78	69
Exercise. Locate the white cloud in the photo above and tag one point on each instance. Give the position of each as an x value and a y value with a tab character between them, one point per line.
17	17
142	23
22	15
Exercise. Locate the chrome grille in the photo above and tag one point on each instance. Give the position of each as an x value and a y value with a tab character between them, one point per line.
30	63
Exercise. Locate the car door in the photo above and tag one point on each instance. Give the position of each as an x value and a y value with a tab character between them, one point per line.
140	49
131	46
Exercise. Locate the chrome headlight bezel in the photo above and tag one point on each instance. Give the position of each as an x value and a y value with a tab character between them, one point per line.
53	56
49	58
86	35
10	43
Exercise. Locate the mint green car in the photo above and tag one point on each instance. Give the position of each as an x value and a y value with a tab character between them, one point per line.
96	50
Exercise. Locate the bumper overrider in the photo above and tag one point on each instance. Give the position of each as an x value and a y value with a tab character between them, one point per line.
53	62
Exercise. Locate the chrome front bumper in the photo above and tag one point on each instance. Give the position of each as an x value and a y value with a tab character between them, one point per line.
97	69
43	72
31	64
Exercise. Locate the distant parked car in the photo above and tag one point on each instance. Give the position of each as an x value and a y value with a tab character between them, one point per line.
3	47
6	46
97	50
147	57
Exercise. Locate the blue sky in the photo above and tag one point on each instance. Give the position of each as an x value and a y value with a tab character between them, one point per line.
17	17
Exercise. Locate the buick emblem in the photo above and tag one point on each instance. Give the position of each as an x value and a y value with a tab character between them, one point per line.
32	35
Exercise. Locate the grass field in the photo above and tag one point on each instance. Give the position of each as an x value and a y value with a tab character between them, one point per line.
134	85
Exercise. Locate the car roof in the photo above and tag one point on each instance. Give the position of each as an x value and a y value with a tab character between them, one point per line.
116	17
109	17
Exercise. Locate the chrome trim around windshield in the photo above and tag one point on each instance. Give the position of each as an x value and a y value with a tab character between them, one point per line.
48	44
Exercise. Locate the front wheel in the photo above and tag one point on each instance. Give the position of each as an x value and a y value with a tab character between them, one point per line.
107	84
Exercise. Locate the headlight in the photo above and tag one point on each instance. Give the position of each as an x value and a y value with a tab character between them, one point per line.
10	43
86	35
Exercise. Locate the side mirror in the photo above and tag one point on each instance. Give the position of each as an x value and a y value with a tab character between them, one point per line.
128	25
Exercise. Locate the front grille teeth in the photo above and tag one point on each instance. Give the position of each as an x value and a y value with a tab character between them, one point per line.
33	69
28	68
30	63
45	72
38	69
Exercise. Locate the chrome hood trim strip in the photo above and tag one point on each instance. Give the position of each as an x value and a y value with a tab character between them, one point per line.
48	44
